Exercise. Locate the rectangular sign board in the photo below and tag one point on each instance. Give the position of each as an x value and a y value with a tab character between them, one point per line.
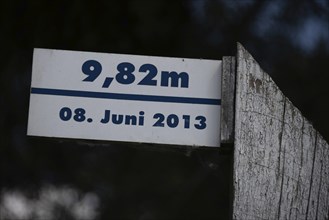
130	98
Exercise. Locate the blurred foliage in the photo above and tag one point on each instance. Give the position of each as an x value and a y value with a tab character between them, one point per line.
290	40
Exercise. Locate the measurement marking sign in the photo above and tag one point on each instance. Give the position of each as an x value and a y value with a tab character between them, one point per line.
130	98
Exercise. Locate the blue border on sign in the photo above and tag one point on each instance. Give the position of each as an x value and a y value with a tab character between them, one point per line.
119	96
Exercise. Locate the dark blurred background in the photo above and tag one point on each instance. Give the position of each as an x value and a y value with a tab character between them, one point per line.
49	179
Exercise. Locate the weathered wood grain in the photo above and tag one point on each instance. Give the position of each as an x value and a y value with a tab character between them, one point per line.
227	105
258	125
281	163
318	204
296	155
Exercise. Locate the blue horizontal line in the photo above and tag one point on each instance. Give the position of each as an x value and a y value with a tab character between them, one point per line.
118	96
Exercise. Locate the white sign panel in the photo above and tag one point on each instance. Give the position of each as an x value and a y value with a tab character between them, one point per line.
100	96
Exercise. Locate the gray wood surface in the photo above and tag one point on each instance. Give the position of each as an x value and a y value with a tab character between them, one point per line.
281	163
227	105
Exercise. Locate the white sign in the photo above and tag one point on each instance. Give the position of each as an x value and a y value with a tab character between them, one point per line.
100	96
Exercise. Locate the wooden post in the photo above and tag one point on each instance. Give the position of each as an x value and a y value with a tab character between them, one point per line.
227	111
281	163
